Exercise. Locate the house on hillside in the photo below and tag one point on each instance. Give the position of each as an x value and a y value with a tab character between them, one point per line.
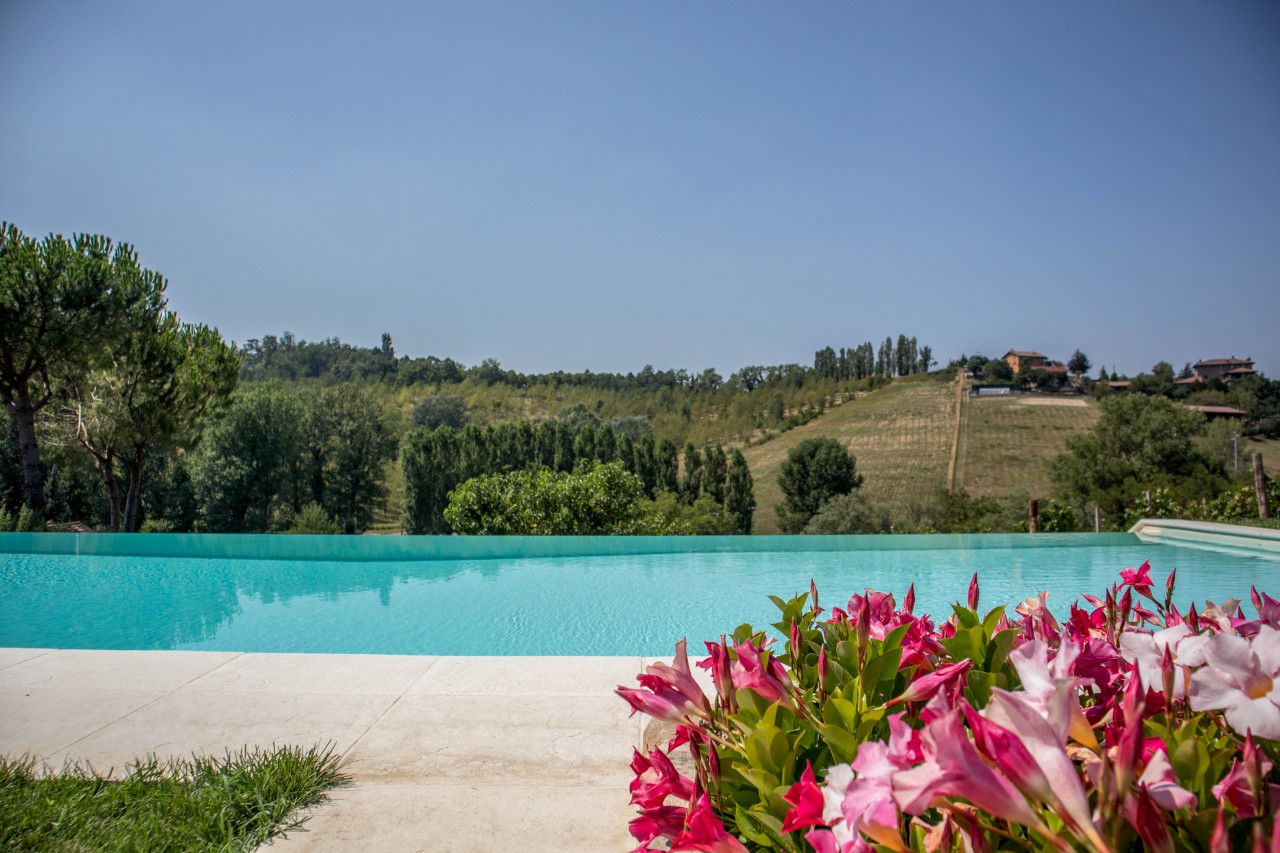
1055	375
1018	359
1215	412
1226	369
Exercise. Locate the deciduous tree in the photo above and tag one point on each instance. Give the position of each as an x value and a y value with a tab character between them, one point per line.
815	470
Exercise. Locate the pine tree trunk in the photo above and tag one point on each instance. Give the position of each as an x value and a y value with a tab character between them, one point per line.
24	414
105	466
133	496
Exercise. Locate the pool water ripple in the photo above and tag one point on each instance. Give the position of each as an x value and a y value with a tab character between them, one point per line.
615	604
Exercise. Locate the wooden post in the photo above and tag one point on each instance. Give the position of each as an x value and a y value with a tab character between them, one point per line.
1033	516
1097	519
1260	485
1147	495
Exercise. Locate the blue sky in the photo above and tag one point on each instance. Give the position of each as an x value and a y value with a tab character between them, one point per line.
604	185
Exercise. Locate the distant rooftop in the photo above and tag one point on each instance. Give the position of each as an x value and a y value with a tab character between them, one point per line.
1211	362
1219	410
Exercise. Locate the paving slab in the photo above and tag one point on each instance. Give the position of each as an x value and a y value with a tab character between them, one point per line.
82	669
517	676
496	740
207	722
448	819
42	722
464	755
9	657
300	673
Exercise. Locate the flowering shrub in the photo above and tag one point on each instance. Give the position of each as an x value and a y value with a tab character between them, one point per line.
1131	725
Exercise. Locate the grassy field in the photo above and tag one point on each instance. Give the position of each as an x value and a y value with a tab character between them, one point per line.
901	436
1270	450
1008	443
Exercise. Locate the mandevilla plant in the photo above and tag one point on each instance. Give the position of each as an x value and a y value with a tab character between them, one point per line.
1130	726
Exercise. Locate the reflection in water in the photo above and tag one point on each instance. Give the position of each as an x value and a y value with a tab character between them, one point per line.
612	605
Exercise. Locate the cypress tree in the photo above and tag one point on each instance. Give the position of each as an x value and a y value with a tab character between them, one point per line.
668	462
714	473
544	445
584	443
627	452
564	447
606	444
645	464
691	485
740	499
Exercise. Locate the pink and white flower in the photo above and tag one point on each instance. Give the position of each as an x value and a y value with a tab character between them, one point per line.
1242	679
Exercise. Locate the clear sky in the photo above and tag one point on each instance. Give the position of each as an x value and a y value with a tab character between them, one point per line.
601	185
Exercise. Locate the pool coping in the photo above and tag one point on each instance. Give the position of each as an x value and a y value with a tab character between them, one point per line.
274	546
1234	537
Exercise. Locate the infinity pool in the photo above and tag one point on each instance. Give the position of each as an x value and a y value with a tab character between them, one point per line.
532	596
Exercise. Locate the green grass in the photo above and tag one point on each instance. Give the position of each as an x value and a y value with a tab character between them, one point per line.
232	803
900	434
1007	444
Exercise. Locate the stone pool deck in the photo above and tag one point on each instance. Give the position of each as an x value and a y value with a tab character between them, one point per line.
459	754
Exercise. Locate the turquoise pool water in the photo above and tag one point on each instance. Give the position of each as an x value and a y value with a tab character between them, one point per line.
530	596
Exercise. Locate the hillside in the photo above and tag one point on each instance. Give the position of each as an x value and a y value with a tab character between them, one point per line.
1008	443
901	436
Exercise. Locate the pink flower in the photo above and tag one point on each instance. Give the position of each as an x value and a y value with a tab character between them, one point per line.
824	841
705	832
766	676
1052	689
1147	651
973	592
1035	759
656	779
1160	782
1139	579
927	686
660	822
1237	786
806	802
952	767
668	692
1241	679
717	661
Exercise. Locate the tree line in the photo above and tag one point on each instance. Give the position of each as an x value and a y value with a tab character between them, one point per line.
903	358
435	461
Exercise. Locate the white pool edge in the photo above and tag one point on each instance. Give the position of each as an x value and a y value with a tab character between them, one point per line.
1234	537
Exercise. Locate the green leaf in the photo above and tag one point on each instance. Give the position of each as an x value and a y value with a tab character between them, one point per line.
999	648
844	744
767	749
966	617
978	687
750	827
989	623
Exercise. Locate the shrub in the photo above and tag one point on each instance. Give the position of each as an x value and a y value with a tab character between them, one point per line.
849	514
596	500
314	520
29	521
877	726
443	410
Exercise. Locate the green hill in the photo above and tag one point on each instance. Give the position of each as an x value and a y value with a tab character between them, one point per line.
901	435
